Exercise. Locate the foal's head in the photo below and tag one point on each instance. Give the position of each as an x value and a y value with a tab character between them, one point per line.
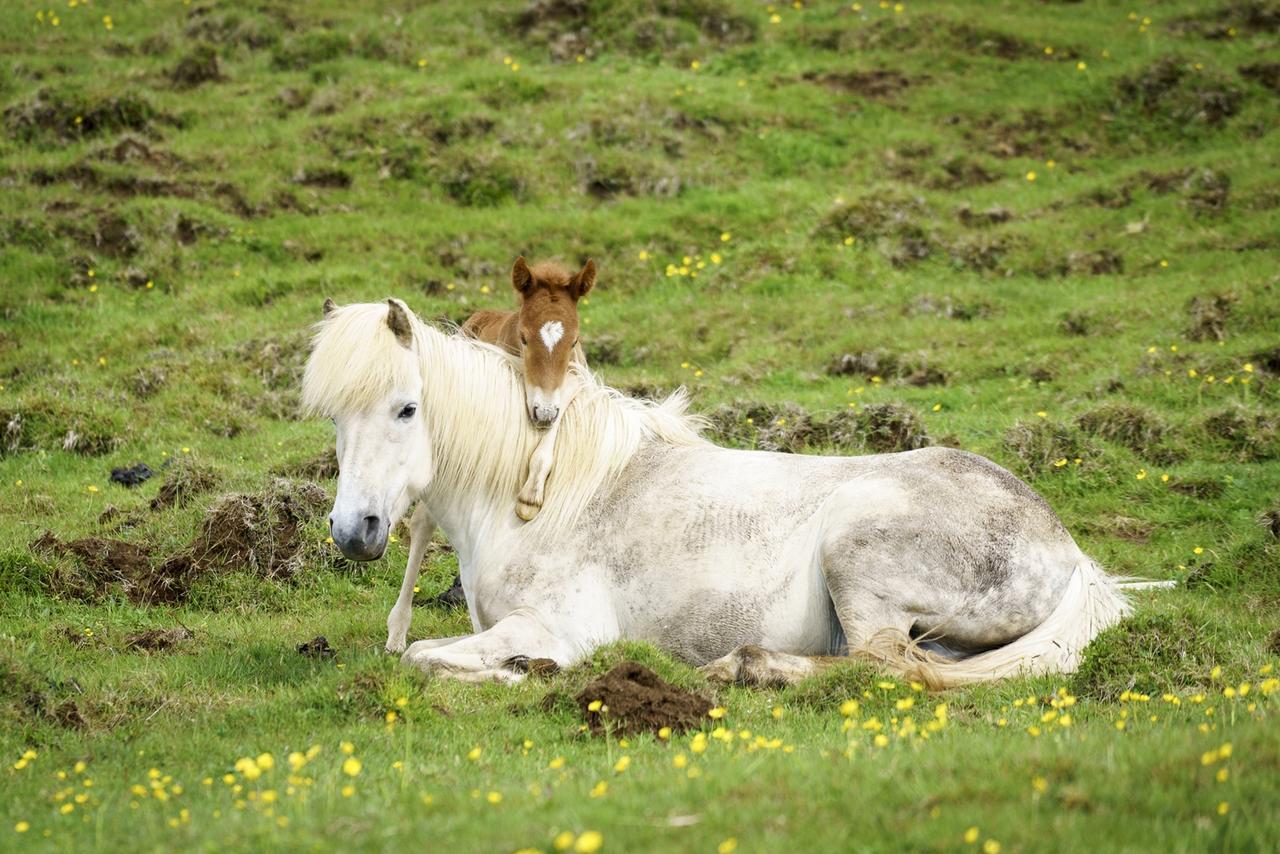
549	297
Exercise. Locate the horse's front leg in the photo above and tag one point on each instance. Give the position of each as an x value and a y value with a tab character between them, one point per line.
533	493
491	655
421	527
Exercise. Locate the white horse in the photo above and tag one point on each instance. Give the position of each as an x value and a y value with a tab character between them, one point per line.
754	565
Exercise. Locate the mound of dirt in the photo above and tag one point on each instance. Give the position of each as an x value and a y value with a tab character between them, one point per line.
260	532
199	66
634	699
322	466
317	647
184	481
1175	91
877	84
157	640
101	562
1209	314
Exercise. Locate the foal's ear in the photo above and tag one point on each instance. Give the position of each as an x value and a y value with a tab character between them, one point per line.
329	306
581	284
398	320
521	278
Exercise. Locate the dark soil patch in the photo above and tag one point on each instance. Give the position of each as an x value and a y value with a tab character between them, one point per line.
1268	360
604	349
317	647
896	223
634	700
1175	94
878	84
994	215
628	177
1100	262
196	68
1273	642
1265	73
157	640
882	427
949	307
323	177
114	236
1200	488
1209	314
184	481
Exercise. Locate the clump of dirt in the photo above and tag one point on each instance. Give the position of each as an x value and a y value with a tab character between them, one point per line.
1250	435
979	252
259	532
994	215
1265	73
1208	191
878	84
917	369
784	428
604	349
322	466
1076	323
1231	20
158	640
1200	488
894	221
627	177
1038	445
114	236
1269	519
1268	360
1209	314
453	597
634	700
67	116
317	647
94	564
571	28
949	307
1273	642
185	480
787	428
959	172
884	428
130	476
196	68
330	178
1136	428
1176	94
1100	262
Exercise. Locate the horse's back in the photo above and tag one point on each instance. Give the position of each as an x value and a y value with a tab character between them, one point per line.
489	327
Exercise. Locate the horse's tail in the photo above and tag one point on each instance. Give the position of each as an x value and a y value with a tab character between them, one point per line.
1092	602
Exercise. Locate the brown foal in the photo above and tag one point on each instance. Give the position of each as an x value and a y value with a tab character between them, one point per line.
544	334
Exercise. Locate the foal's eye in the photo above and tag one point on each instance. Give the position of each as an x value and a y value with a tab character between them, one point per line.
524	340
407	412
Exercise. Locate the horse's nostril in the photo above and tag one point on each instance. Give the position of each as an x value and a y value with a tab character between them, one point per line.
371	524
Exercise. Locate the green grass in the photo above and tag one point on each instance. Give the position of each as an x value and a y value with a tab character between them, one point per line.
168	230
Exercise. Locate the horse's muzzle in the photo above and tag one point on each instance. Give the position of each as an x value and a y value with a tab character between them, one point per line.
545	415
365	540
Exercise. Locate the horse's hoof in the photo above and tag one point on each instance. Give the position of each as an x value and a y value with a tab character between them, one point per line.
395	648
527	512
722	670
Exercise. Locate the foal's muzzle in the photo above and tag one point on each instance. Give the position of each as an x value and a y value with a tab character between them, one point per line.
544	415
364	539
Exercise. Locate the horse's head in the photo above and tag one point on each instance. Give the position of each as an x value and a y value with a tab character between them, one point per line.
364	373
548	331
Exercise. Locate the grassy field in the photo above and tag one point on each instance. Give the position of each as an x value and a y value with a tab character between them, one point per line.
1044	232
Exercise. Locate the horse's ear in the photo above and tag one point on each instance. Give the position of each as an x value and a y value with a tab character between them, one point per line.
398	321
581	284
521	278
329	306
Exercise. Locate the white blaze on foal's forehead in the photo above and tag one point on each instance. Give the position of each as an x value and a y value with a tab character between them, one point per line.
551	333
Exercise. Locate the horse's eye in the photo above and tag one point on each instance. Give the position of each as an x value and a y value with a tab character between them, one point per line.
407	412
524	340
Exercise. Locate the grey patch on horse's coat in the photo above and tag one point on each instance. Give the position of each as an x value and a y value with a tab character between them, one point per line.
716	625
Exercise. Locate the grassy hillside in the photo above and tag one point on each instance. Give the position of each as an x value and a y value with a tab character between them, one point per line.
1045	232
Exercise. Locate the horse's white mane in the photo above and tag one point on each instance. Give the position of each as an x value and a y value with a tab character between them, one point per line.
473	403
